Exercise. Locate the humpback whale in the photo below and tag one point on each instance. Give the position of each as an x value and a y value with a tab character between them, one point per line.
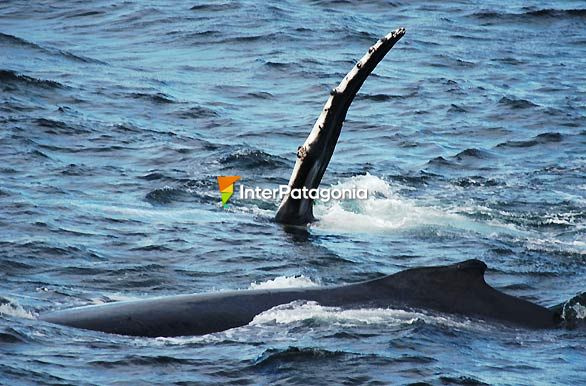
455	289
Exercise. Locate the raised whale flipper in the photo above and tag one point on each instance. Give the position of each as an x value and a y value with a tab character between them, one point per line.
315	154
456	289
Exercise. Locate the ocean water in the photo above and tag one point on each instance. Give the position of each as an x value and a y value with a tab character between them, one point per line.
116	118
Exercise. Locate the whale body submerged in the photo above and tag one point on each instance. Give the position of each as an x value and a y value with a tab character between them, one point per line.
456	289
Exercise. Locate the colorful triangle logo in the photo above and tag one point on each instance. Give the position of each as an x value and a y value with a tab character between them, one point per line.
226	185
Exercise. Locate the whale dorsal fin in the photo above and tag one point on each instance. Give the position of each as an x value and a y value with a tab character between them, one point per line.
471	271
461	288
465	274
315	154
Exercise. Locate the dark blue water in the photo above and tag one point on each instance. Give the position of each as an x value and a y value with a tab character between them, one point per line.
116	118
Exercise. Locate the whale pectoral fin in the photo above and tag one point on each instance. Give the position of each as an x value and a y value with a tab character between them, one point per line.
314	155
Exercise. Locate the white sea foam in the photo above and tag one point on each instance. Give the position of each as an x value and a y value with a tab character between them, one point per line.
12	308
580	311
385	210
302	310
552	245
284	282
